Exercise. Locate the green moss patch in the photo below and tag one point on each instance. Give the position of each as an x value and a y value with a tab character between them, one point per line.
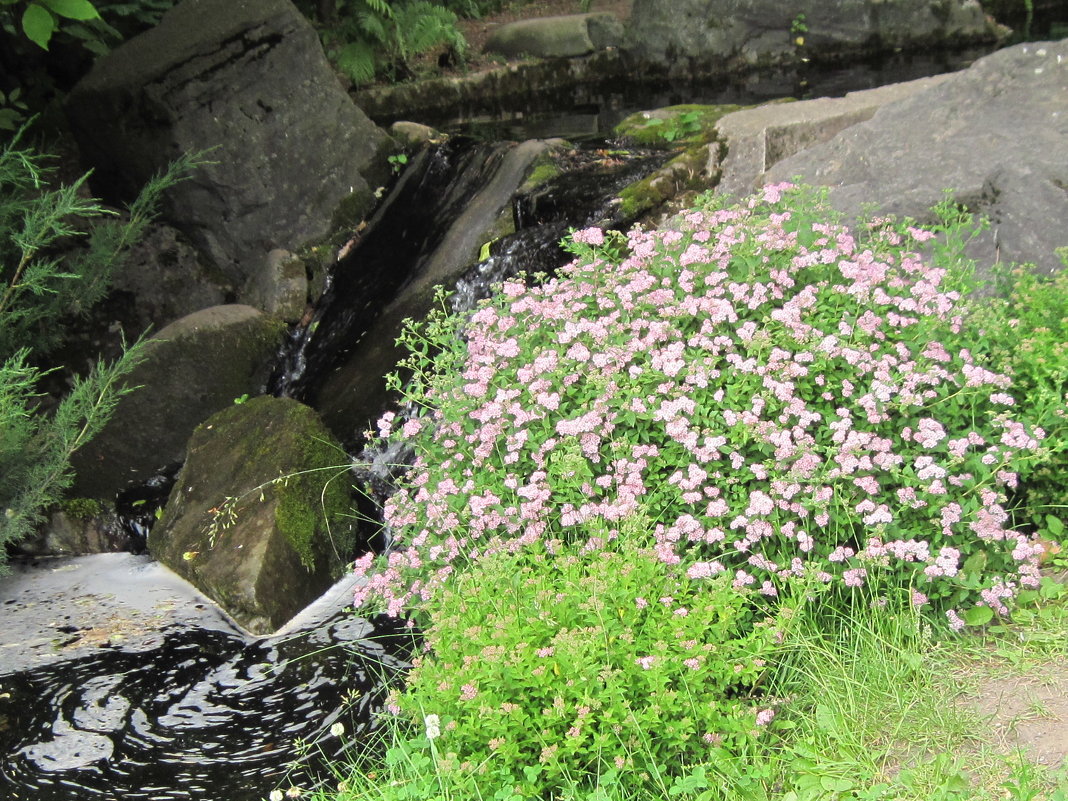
673	126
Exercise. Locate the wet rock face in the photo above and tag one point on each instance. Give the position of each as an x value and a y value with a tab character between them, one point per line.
269	553
248	78
683	35
195	367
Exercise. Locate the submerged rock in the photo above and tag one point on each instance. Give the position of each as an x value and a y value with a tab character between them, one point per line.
247	522
194	367
248	79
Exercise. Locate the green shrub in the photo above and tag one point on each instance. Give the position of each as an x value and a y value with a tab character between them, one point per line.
368	38
781	396
45	279
1024	333
557	670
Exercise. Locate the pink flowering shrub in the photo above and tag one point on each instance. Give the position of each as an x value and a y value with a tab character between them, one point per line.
553	670
780	396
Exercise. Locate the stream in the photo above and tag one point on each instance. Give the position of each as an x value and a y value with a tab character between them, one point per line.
216	715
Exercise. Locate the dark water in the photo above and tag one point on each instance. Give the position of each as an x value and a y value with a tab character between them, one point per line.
593	110
205	715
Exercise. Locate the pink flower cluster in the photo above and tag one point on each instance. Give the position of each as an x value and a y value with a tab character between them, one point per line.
777	397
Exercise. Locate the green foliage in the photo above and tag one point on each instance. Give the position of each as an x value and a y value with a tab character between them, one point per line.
798	29
555	524
59	247
688	124
13	110
366	38
40	19
35	448
30	28
1024	334
801	404
681	126
560	670
43	280
397	162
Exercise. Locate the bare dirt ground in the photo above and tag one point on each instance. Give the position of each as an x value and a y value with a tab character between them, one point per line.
1025	712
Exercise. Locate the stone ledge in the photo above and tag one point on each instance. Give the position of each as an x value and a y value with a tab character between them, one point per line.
758	138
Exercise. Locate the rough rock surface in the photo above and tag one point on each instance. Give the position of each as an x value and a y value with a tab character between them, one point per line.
280	288
567	36
757	138
195	367
68	532
269	553
164	278
692	35
995	134
249	79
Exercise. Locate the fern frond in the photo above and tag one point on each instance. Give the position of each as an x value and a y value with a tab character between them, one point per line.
422	26
374	27
357	60
380	7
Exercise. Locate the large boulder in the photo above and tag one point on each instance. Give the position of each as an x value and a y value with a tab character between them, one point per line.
566	36
193	368
996	135
248	78
694	35
255	521
750	141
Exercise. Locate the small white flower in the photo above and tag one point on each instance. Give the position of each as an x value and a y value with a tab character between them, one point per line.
276	795
433	726
337	729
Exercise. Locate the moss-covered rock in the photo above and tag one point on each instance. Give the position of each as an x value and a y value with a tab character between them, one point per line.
257	520
672	126
686	172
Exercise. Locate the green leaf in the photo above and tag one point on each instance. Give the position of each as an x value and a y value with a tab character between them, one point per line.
825	719
836	784
1050	589
72	9
978	615
38	24
1054	526
688	784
